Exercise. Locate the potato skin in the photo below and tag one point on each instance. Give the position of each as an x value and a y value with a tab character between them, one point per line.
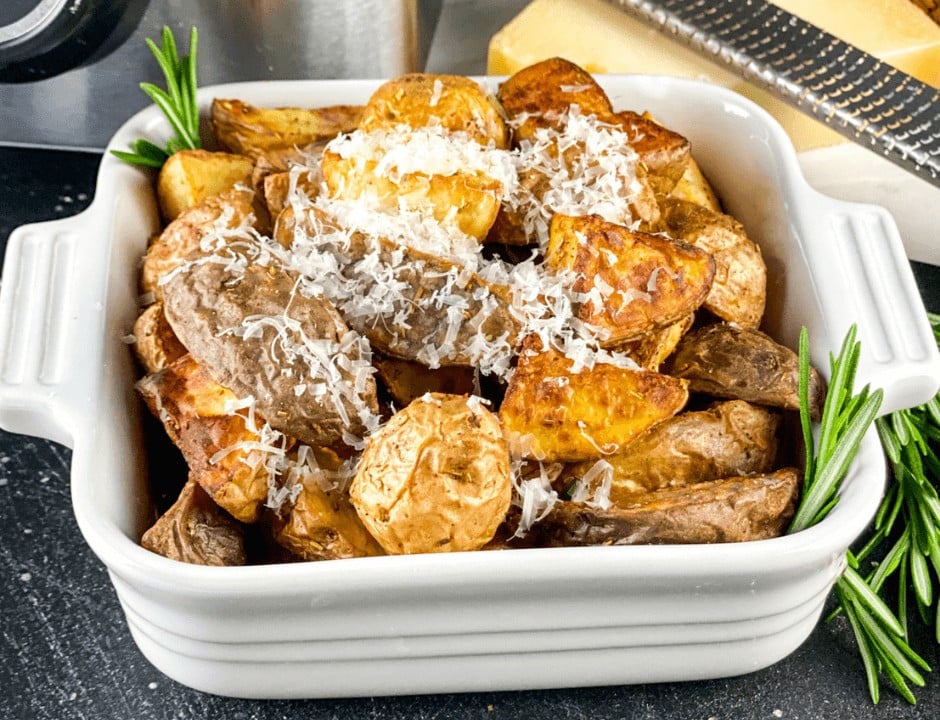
194	411
739	291
738	509
408	334
729	439
694	187
180	240
551	87
665	153
323	525
155	344
455	102
253	131
552	414
206	302
651	349
655	281
436	478
406	381
196	530
725	361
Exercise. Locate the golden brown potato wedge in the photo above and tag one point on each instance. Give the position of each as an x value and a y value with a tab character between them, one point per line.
323	525
456	103
553	414
435	478
665	153
248	130
635	282
725	361
155	343
470	200
694	187
191	176
196	530
219	448
180	240
277	188
729	439
738	509
649	351
283	159
549	88
406	381
739	291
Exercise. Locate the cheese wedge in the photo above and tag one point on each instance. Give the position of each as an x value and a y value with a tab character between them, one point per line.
602	39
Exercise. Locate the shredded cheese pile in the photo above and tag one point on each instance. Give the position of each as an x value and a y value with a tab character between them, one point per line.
583	166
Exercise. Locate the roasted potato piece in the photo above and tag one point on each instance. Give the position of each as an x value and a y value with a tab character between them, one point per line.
435	478
739	291
277	188
323	525
218	446
729	439
180	240
649	351
248	130
412	328
725	361
694	187
469	200
284	159
738	509
155	343
310	377
665	153
196	530
407	381
544	90
456	103
635	282
191	176
552	414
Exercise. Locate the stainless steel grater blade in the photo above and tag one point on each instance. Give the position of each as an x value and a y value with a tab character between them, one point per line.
854	93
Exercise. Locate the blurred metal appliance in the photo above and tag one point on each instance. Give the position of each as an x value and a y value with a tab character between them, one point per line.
70	69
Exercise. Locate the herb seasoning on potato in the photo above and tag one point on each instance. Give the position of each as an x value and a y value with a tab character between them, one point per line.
447	321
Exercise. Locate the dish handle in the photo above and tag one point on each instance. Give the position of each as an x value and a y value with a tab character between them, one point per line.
862	275
51	312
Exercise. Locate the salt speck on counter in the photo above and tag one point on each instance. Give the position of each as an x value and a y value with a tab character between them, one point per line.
26	577
152	686
778	713
4	481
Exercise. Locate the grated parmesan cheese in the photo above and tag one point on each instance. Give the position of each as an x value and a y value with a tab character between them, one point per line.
578	166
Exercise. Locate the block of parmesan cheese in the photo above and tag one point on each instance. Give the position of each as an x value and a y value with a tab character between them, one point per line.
601	38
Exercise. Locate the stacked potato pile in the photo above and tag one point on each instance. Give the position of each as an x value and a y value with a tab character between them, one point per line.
449	321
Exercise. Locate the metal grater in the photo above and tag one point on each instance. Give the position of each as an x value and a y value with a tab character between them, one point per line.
852	92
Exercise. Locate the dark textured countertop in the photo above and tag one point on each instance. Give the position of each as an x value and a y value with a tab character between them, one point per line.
65	651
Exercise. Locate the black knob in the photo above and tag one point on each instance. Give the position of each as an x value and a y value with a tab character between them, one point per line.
42	38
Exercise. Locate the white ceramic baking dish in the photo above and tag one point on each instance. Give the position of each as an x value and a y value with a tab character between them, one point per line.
518	619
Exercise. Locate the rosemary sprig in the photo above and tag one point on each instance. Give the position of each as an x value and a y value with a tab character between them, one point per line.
906	530
177	103
881	637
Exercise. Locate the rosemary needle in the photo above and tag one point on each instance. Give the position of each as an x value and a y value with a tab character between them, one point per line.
177	103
